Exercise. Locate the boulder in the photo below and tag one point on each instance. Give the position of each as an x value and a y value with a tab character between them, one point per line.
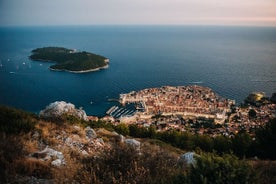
121	138
59	108
100	140
57	163
90	133
36	135
50	154
187	159
83	152
133	143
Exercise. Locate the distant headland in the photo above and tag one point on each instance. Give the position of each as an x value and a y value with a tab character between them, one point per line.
70	60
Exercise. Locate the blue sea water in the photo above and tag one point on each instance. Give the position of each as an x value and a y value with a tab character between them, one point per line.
233	61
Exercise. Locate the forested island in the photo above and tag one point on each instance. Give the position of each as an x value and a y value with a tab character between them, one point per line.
69	59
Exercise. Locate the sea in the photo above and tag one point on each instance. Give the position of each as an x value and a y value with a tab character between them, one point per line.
233	61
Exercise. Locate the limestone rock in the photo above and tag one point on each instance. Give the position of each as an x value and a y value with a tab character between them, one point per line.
133	143
57	163
50	154
121	138
100	140
36	135
187	159
83	152
90	133
58	108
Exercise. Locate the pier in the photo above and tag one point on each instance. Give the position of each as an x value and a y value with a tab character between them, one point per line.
118	112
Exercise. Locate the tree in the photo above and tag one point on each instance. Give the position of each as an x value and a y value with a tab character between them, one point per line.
252	113
241	144
266	140
222	144
203	142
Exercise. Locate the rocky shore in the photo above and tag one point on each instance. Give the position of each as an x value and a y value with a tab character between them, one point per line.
81	71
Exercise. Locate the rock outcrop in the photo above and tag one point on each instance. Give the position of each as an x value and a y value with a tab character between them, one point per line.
90	133
59	108
187	159
56	157
133	143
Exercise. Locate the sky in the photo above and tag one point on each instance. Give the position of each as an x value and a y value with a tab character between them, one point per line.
141	12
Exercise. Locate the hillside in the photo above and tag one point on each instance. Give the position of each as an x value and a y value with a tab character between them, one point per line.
69	60
66	149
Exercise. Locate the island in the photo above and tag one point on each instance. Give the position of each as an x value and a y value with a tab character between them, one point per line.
70	60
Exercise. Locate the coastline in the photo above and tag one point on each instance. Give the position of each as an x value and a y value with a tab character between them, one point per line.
80	71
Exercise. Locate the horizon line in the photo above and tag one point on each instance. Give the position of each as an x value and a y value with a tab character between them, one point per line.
76	25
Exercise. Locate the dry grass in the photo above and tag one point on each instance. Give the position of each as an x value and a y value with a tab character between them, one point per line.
14	160
33	167
108	135
68	172
125	165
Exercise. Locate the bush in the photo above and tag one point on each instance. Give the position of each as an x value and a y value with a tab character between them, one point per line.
122	129
211	168
13	121
100	124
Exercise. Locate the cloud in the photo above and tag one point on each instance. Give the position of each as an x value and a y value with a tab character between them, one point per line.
41	12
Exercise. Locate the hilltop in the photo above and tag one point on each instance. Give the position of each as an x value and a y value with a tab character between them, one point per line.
70	60
66	148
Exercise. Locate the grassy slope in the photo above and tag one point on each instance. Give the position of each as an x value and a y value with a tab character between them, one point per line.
156	164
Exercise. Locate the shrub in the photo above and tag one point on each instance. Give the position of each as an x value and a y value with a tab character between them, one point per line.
210	168
13	121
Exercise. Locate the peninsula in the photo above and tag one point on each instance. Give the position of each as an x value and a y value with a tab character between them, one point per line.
194	100
195	109
70	60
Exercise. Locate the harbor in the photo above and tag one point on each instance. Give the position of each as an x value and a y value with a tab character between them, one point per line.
121	111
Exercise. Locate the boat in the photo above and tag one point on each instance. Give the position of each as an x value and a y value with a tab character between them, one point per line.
196	82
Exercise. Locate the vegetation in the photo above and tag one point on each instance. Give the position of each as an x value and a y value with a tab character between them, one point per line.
67	59
13	121
210	168
125	165
265	140
218	160
242	144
